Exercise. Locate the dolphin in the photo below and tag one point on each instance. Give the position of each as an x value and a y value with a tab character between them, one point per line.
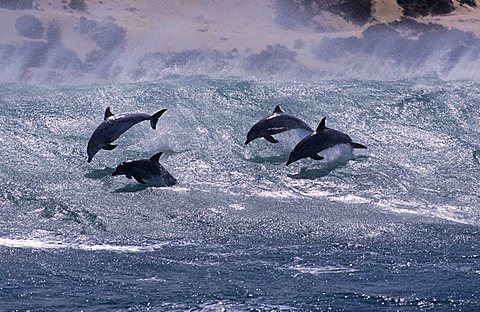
276	123
113	126
146	171
318	141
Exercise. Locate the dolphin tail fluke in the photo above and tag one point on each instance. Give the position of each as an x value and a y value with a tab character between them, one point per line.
358	145
154	118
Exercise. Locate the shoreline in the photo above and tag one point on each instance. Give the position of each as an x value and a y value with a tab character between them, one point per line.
173	27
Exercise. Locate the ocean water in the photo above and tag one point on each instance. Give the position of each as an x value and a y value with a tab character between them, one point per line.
392	228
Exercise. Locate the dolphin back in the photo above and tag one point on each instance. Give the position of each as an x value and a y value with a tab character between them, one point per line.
285	122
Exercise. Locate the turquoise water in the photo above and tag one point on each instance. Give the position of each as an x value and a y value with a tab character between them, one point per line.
395	227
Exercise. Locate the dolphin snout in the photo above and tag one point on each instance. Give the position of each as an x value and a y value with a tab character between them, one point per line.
291	159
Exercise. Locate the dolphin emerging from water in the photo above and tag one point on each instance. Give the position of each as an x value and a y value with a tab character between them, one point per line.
276	123
318	141
113	126
146	171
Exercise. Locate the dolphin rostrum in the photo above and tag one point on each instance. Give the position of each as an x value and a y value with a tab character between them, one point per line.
276	123
318	141
146	171
113	126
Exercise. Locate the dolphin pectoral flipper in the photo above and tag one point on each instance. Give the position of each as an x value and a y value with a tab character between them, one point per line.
270	139
357	145
110	147
316	157
154	118
139	180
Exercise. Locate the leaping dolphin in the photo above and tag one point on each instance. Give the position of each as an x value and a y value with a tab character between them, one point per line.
318	141
276	123
146	171
113	126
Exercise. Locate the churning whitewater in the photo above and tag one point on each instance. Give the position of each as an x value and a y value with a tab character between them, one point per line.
393	227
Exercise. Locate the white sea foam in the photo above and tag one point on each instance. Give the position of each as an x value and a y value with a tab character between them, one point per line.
275	194
50	244
444	212
237	206
350	198
317	270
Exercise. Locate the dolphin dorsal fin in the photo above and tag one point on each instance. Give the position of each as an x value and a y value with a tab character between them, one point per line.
156	157
277	110
108	113
321	126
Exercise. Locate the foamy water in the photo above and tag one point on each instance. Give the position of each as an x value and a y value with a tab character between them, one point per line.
391	227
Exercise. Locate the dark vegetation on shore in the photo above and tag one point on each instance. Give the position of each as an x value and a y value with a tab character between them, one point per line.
293	13
415	8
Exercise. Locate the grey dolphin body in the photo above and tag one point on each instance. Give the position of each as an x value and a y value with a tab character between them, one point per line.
146	171
113	126
318	141
276	123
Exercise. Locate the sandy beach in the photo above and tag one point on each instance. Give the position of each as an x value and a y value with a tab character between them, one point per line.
173	26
